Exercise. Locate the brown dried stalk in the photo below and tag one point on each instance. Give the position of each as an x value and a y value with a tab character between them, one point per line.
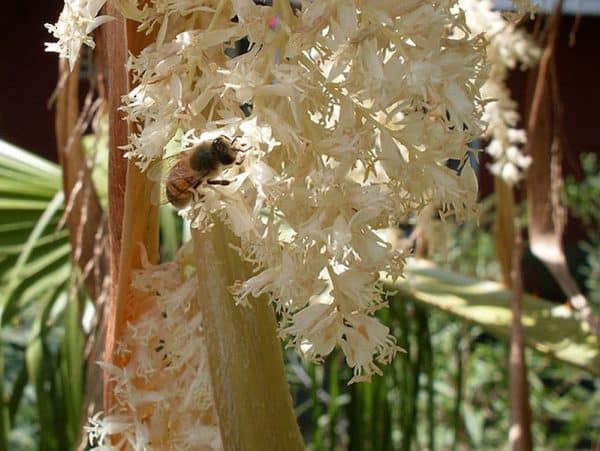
133	220
84	216
509	249
544	179
504	233
520	428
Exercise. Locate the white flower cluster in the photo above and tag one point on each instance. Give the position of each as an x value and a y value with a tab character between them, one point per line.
77	20
162	386
348	110
507	47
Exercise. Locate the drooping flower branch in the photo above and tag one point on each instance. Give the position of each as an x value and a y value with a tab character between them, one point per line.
347	111
507	47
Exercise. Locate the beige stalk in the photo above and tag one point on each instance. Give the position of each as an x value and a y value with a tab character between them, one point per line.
250	389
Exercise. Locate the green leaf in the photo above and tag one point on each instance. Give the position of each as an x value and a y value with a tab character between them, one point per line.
24	268
69	378
549	328
22	204
17	392
36	285
34	271
39	366
170	232
22	161
13	243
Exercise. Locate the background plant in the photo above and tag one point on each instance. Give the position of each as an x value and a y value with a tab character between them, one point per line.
582	198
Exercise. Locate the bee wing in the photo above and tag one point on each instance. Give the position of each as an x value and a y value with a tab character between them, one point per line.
158	196
158	172
159	169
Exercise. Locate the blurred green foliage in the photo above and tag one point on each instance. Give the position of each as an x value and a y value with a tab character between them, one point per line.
41	360
583	196
583	200
450	391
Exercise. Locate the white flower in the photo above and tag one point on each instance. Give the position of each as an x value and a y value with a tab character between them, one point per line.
355	290
77	20
320	326
316	329
353	112
364	336
507	46
163	393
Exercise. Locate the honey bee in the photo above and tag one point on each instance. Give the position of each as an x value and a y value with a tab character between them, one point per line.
197	165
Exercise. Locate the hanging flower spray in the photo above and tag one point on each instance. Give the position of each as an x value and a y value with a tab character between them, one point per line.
347	112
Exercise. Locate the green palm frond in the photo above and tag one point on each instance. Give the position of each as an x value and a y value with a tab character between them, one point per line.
35	304
41	339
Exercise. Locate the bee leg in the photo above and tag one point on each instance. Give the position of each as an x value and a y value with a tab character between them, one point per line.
218	182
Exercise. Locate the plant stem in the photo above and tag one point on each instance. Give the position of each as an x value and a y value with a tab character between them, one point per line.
317	438
251	393
334	392
429	370
133	220
457	416
520	429
504	234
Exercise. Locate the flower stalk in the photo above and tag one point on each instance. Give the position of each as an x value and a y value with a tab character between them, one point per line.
133	217
250	389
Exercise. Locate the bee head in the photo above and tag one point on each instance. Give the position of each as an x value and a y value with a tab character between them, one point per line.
224	150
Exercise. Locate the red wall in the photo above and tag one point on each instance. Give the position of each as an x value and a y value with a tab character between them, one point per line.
28	74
